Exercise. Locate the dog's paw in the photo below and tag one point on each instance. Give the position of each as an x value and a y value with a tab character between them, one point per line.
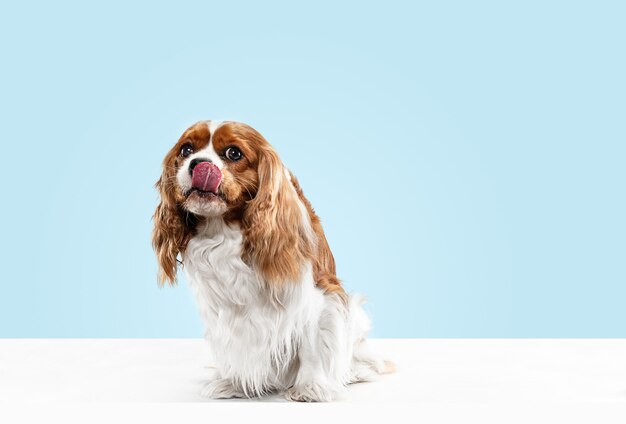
310	392
222	388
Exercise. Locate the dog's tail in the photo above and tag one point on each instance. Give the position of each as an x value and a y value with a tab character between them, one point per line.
366	364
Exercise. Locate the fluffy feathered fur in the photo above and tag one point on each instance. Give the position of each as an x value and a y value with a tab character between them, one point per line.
255	254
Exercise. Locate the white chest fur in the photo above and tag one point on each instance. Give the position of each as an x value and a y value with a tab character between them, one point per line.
253	331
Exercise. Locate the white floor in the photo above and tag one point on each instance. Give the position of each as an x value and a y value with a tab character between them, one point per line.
441	372
452	370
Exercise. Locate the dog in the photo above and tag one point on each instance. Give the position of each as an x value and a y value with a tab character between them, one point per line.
254	252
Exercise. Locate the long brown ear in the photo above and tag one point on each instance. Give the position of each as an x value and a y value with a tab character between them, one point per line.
172	229
278	236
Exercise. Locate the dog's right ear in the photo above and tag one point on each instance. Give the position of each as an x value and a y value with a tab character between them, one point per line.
172	226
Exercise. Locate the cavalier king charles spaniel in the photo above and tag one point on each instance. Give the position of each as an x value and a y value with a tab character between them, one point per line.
255	255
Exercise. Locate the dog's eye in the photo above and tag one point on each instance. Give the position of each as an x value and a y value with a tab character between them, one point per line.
186	150
233	153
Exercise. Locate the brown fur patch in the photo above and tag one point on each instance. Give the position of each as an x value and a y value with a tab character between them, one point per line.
275	240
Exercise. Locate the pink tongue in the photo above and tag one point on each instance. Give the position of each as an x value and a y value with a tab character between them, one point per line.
206	177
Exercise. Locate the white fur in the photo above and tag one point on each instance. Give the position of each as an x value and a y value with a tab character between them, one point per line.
213	126
295	339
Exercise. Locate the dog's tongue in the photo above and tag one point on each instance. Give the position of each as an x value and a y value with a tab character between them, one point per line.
206	177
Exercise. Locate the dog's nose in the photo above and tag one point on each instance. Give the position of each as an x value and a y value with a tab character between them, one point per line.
196	161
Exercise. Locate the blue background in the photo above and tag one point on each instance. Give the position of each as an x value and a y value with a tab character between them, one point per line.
467	160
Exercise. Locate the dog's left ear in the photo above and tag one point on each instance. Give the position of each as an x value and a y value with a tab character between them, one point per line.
278	235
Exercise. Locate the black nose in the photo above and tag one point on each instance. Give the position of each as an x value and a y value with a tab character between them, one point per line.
196	161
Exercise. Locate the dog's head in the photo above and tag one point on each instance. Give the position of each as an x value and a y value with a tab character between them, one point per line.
228	171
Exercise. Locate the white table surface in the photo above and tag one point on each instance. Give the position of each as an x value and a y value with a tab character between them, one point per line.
431	372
